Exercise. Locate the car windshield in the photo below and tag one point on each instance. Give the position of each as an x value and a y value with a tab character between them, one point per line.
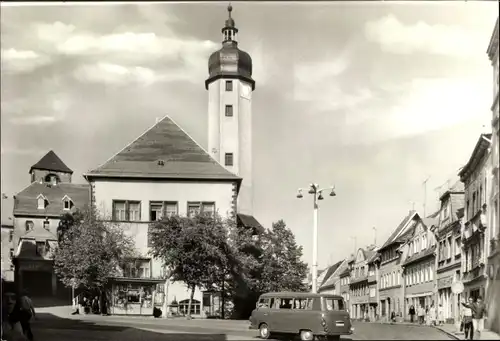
334	304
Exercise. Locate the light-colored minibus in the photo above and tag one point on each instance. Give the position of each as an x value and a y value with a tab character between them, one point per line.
312	316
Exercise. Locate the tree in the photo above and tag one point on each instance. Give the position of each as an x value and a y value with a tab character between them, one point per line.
284	270
194	249
68	220
90	251
270	261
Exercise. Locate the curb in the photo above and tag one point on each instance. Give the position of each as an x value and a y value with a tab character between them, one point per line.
451	334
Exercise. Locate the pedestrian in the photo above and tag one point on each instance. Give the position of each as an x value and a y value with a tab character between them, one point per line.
478	315
440	314
421	315
467	319
427	316
433	314
25	310
412	313
393	317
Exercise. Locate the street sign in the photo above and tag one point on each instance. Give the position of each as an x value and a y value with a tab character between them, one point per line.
457	288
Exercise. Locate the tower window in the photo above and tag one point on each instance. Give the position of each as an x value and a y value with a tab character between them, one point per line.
228	159
46	225
229	85
229	110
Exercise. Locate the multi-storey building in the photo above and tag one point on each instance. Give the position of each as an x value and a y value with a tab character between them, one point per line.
358	288
7	253
449	250
331	282
37	212
373	283
390	289
165	172
345	279
418	265
493	292
475	176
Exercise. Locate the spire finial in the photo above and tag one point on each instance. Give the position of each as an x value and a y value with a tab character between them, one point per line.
229	9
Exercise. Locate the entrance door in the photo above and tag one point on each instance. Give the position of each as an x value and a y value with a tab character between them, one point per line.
38	283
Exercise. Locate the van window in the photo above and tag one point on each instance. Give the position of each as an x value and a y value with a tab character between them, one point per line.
302	303
263	303
334	304
286	303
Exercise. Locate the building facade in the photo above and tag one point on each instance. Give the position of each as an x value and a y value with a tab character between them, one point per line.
37	212
163	172
345	279
331	282
493	283
390	271
418	266
475	238
449	250
7	253
362	295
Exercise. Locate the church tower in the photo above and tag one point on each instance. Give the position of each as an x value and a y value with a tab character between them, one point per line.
230	87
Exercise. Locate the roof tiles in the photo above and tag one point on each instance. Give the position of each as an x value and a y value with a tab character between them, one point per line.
26	203
163	151
51	162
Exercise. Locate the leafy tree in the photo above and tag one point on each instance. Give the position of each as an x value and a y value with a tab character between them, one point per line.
90	251
194	249
270	261
283	268
67	221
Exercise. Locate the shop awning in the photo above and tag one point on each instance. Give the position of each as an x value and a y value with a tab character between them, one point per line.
422	294
137	280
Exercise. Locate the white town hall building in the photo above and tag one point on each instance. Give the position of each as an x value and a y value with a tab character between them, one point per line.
164	171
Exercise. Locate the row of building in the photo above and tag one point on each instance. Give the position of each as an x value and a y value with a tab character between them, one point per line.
162	172
426	255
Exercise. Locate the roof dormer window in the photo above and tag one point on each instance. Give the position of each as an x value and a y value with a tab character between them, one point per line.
42	202
67	203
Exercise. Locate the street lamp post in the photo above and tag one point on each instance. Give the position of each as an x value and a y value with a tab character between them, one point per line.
317	195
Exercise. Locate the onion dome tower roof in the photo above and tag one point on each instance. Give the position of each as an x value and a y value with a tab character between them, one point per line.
230	61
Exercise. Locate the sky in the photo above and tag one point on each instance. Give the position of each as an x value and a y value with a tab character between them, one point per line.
372	97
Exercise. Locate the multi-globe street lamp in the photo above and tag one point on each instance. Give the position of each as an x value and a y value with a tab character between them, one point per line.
317	195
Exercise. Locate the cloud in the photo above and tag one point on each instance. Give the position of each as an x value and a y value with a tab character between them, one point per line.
126	55
22	60
396	37
115	74
21	151
33	120
320	83
422	105
37	109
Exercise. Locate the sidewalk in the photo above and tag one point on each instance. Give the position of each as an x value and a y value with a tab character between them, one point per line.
451	330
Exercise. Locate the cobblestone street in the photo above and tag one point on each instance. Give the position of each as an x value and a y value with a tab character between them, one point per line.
51	328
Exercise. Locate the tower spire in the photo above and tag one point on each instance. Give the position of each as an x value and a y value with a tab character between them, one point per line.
229	31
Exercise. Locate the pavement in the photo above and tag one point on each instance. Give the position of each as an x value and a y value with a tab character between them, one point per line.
452	331
57	324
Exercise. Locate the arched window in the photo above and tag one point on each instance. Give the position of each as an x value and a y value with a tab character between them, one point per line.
52	178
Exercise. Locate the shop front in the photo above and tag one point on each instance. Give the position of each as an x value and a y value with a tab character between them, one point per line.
447	302
136	296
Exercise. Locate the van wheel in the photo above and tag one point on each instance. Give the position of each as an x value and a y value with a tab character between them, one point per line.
306	335
264	331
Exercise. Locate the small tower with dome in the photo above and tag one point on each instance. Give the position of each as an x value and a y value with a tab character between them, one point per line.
230	86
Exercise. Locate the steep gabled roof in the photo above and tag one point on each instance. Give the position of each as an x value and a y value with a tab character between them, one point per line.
330	271
26	204
480	150
51	162
399	229
165	151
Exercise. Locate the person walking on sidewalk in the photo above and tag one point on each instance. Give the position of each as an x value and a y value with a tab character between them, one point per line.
467	319
478	314
421	315
412	313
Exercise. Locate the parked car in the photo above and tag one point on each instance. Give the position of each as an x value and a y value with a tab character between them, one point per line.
320	316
